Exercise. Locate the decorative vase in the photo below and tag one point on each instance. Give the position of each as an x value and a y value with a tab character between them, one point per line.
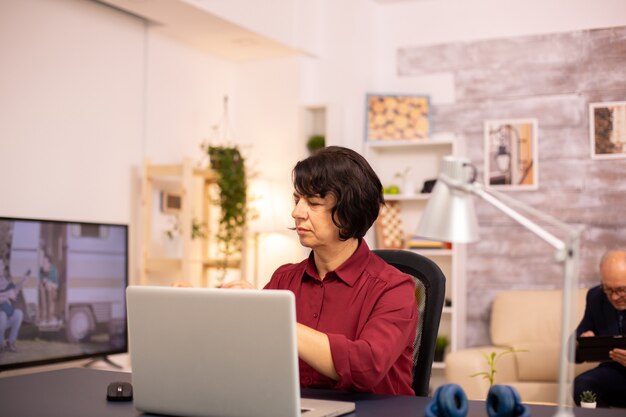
408	188
587	405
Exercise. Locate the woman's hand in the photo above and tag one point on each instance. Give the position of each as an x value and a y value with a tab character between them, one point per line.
238	284
181	284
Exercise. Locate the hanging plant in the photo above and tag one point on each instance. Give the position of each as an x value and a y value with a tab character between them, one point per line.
229	166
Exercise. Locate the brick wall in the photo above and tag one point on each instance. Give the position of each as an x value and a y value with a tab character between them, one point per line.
552	78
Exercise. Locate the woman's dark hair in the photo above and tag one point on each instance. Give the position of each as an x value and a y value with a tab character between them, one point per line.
346	175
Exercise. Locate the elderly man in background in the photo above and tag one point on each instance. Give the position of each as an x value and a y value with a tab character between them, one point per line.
605	315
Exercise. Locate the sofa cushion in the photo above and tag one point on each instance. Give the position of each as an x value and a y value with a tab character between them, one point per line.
537	361
530	316
525	317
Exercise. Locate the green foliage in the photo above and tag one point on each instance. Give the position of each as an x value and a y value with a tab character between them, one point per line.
441	343
402	174
198	230
316	142
229	166
492	360
587	397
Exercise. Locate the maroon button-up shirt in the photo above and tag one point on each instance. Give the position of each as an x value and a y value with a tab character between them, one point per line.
368	310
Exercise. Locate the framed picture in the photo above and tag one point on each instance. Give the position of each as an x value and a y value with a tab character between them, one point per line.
607	130
171	203
397	117
511	154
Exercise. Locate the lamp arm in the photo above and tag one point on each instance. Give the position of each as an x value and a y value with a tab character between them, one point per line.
529	209
524	221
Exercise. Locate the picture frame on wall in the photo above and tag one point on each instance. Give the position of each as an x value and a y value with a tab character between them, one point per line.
607	130
510	152
397	117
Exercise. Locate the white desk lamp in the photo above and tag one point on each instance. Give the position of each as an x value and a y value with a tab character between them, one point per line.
449	216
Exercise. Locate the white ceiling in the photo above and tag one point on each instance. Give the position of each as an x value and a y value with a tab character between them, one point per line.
195	25
202	29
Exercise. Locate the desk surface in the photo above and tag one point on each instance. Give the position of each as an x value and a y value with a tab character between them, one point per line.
82	392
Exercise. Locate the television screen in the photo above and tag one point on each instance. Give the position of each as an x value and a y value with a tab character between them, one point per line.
62	291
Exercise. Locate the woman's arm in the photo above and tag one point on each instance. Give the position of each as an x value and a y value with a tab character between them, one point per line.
314	349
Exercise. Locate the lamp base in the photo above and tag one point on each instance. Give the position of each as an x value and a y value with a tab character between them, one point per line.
564	412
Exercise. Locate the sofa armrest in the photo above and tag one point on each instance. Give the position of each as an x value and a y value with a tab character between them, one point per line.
462	364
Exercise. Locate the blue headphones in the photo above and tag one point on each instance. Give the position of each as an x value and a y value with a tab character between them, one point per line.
450	400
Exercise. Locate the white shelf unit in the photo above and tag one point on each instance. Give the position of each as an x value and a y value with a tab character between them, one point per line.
423	158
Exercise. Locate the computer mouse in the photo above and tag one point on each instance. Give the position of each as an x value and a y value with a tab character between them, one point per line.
120	391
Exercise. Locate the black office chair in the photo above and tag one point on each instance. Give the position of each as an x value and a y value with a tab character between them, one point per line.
430	291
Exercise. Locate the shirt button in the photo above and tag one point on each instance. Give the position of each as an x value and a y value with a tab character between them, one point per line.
315	315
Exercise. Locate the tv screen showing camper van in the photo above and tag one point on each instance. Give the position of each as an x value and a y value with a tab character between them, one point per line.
62	291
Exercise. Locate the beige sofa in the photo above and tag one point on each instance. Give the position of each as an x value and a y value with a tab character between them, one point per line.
522	320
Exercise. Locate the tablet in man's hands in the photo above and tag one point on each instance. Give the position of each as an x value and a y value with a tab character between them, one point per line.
597	348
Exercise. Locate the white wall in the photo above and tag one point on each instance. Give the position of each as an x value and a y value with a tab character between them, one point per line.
339	77
184	98
70	110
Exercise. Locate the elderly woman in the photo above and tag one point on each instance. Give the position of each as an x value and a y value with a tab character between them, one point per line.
356	314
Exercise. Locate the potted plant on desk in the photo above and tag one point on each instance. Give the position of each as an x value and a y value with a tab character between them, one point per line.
588	399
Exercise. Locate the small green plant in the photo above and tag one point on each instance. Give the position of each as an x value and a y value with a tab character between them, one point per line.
441	343
492	360
587	397
402	174
198	230
316	142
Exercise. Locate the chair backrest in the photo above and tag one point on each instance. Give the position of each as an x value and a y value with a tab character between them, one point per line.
430	288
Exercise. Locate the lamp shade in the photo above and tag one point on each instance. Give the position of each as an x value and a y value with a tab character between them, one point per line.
449	215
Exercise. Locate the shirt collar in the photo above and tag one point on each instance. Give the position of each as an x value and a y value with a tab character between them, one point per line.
349	271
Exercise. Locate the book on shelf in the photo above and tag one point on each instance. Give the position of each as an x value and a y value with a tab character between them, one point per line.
416	242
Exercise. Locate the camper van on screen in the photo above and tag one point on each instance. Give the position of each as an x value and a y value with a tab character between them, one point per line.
70	280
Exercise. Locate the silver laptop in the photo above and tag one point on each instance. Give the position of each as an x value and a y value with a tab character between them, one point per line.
217	353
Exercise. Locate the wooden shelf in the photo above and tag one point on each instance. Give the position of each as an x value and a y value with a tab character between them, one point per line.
194	186
409	143
405	197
